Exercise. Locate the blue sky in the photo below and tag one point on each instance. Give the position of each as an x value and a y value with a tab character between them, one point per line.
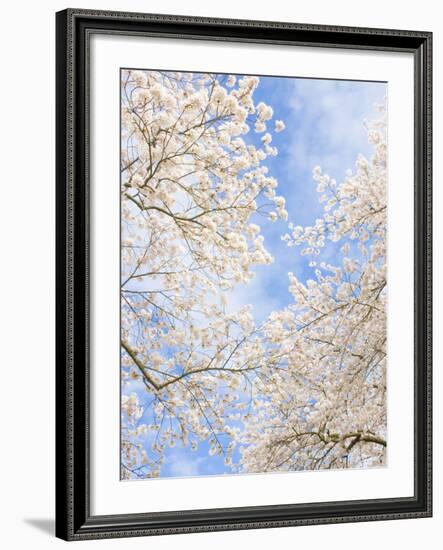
324	126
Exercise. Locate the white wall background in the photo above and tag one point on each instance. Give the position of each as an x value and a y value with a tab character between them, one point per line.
27	276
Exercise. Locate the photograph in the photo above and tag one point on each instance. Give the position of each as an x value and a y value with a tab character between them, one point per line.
253	230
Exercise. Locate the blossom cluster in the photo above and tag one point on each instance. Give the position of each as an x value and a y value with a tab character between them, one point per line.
323	398
190	184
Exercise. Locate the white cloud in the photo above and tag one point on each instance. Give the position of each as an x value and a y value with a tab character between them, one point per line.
181	465
328	117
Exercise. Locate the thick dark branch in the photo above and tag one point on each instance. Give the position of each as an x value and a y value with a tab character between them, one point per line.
140	366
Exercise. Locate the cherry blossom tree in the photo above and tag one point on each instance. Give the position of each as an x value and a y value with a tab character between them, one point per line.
190	183
307	388
321	400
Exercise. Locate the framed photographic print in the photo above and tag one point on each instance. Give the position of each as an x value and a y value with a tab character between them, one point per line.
243	274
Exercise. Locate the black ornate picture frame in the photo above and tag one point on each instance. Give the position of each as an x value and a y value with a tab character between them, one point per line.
73	369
